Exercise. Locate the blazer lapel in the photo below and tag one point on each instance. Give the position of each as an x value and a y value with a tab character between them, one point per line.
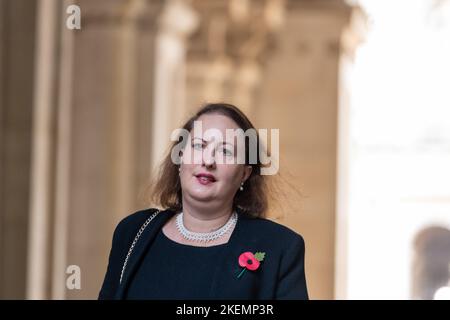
147	236
225	281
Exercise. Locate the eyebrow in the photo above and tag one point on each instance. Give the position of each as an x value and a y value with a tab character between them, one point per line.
223	143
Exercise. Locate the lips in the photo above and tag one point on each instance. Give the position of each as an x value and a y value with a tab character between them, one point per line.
205	178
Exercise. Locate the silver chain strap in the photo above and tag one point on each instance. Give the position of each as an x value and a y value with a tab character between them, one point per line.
138	235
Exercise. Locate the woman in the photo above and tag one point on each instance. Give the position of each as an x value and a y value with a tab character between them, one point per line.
211	240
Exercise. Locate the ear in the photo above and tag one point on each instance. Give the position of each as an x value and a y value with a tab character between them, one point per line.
247	172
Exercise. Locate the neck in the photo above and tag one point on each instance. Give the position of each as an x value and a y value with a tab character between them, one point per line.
205	219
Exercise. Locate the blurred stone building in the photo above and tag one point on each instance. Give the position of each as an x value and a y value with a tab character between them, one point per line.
86	114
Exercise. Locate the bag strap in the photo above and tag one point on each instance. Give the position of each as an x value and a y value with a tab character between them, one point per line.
136	238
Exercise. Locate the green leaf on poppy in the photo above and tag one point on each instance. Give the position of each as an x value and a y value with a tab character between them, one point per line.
260	256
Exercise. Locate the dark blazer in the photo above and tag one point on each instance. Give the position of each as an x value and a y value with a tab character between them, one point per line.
281	275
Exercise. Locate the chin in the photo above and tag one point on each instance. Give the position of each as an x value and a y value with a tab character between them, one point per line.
201	195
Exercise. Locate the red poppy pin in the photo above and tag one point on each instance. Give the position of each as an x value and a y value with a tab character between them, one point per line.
250	261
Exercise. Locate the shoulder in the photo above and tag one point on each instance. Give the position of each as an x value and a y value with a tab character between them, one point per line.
269	231
124	234
131	223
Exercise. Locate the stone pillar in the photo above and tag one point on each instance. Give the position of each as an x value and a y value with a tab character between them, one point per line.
175	24
43	151
62	183
17	49
92	141
299	95
113	66
226	52
352	36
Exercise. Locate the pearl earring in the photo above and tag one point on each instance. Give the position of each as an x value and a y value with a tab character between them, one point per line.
242	186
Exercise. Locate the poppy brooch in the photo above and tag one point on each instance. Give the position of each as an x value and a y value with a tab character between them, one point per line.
250	261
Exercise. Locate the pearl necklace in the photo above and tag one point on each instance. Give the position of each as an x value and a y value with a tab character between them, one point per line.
208	236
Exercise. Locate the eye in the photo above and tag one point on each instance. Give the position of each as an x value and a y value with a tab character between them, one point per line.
197	146
227	152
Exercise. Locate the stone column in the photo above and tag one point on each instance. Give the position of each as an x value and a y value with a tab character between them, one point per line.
112	93
62	190
43	151
175	24
353	35
92	140
299	95
226	53
17	49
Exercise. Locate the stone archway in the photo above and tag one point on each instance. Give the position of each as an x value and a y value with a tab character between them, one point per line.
431	262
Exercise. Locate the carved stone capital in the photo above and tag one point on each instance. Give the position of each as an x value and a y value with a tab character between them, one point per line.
355	32
143	13
236	29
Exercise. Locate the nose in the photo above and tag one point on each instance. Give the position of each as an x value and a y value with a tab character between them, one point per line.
209	159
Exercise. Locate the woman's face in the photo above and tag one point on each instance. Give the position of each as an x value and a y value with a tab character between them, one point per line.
210	172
